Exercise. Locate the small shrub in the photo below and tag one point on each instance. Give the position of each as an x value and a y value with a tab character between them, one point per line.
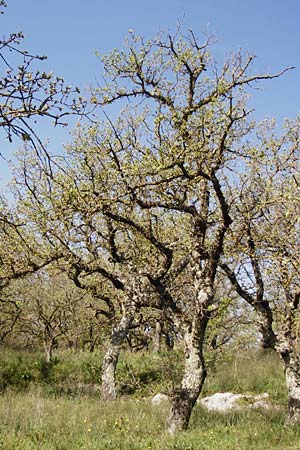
16	373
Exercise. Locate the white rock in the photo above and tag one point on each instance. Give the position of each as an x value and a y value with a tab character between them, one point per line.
261	404
261	396
159	398
227	401
221	401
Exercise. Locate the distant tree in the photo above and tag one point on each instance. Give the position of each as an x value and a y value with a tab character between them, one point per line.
16	261
10	313
52	311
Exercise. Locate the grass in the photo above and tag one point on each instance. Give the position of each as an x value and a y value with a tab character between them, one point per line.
39	417
32	421
251	373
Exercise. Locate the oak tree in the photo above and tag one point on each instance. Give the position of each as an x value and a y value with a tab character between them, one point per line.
145	199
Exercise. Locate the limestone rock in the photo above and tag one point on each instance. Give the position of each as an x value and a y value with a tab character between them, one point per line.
159	398
226	401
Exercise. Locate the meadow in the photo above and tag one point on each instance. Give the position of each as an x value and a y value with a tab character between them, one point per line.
58	406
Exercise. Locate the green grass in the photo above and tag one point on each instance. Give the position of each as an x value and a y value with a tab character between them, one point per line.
138	374
144	374
32	421
57	407
254	372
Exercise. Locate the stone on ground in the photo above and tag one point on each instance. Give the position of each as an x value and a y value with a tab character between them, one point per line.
159	398
226	401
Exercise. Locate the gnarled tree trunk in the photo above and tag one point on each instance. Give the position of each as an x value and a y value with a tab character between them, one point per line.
292	377
118	337
134	288
185	397
288	346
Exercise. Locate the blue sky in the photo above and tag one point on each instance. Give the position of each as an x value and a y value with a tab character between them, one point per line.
70	31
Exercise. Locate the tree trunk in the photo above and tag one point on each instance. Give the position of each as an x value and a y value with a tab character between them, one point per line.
118	337
108	385
157	337
169	340
119	334
48	349
265	321
292	378
185	397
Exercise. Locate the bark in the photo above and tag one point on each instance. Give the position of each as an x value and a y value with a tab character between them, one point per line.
292	376
265	322
49	347
185	397
194	375
118	337
288	348
135	291
157	337
284	345
169	340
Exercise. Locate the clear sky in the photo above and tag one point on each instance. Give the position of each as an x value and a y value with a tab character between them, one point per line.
70	31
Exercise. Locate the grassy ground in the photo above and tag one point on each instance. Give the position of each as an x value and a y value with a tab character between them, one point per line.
32	422
38	418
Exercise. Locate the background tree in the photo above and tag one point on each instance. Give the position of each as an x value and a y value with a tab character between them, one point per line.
104	254
265	267
21	250
10	313
51	311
